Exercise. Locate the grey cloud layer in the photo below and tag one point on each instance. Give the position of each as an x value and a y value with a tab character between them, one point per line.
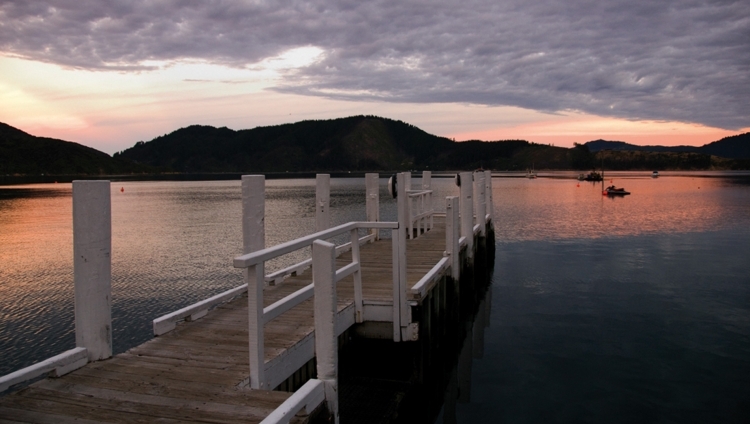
685	60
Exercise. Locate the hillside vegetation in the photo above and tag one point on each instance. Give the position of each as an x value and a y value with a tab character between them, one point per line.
25	154
357	143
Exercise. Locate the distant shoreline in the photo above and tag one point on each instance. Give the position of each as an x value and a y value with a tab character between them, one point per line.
8	180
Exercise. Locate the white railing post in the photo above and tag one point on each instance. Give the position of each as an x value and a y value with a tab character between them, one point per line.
452	225
488	193
372	202
92	267
253	235
467	211
396	236
479	202
254	280
358	305
406	177
322	202
326	342
253	213
400	301
427	185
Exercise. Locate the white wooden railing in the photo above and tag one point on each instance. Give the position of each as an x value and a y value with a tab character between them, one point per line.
421	212
269	375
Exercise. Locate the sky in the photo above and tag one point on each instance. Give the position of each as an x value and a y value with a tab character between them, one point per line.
109	74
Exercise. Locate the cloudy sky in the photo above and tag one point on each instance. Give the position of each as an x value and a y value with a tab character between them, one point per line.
108	74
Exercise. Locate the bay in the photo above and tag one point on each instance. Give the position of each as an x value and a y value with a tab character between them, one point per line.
622	309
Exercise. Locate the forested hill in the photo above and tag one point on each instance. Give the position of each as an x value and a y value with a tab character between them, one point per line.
25	154
358	143
734	147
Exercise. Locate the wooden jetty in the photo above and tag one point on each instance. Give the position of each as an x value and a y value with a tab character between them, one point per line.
266	351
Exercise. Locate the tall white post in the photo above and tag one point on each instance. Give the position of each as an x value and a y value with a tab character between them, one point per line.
488	194
322	202
253	213
467	211
452	225
403	218
479	202
92	267
406	178
326	342
253	235
372	202
427	185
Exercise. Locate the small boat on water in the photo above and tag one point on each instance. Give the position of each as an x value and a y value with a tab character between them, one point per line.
593	176
530	173
655	174
614	191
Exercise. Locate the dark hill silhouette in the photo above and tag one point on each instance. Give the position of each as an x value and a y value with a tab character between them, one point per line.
25	154
357	143
734	147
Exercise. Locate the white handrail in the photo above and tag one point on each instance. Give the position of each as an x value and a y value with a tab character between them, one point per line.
264	255
301	266
265	375
309	396
420	209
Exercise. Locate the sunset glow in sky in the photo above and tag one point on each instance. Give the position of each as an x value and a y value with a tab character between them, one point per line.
107	75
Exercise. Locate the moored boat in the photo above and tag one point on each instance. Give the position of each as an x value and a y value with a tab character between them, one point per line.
614	191
655	174
593	176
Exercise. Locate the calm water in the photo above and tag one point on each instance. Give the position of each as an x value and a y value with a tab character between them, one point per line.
602	309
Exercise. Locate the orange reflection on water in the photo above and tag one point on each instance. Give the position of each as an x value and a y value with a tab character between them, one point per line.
561	208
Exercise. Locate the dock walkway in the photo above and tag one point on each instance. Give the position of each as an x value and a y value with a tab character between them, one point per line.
199	370
195	373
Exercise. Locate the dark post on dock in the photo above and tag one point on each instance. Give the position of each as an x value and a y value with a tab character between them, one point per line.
366	329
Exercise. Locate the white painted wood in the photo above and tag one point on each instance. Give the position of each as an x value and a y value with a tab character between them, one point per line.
400	301
427	186
300	267
452	227
254	280
290	246
428	281
326	342
253	213
479	202
346	271
372	202
288	302
92	267
488	193
309	396
381	312
322	202
59	365
167	323
290	360
396	236
467	211
357	275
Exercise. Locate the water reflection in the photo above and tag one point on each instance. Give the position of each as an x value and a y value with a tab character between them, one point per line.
553	209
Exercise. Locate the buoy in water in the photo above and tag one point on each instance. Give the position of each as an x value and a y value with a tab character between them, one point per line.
122	189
